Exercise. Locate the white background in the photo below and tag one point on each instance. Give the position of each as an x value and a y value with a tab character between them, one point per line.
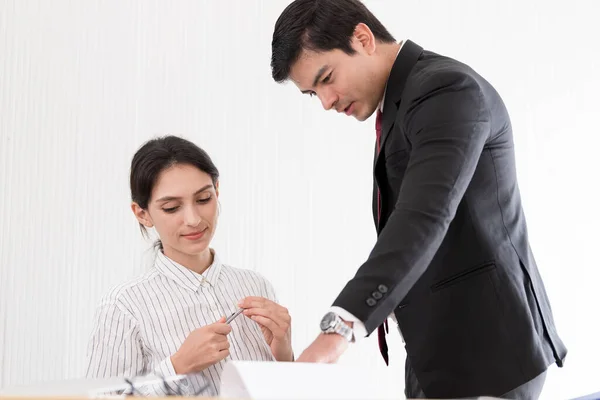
84	83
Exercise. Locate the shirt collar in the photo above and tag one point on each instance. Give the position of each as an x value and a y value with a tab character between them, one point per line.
380	108
186	277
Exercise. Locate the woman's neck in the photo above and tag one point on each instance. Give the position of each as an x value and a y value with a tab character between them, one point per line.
195	262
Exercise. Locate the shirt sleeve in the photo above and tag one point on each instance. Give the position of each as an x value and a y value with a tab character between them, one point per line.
115	350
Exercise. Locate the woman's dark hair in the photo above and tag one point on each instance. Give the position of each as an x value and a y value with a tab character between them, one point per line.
158	154
319	25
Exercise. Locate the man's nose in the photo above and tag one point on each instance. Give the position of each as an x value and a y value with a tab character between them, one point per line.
328	99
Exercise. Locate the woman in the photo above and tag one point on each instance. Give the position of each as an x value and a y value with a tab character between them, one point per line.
171	320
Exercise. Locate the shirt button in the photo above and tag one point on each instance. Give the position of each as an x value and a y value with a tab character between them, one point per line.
371	302
382	288
377	295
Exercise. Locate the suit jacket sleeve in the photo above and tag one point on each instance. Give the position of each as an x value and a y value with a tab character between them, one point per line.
448	124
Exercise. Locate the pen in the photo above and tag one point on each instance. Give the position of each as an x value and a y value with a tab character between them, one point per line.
233	316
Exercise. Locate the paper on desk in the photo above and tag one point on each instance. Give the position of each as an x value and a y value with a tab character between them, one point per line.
293	380
86	387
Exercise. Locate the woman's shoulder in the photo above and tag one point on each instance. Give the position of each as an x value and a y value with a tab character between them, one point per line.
244	272
128	288
251	279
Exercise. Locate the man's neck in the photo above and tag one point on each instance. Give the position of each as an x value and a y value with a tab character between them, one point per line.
390	52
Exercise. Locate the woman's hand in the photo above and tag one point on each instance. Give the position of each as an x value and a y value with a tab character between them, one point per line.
275	324
202	348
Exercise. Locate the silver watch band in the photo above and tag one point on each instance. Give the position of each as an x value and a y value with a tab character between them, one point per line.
344	330
333	323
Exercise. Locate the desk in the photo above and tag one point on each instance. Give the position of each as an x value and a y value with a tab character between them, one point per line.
115	397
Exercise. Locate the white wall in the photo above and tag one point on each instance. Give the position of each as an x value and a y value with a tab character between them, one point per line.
84	83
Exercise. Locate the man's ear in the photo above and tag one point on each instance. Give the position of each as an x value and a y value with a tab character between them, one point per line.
142	215
363	38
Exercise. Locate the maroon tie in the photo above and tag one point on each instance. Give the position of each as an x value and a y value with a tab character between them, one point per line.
383	328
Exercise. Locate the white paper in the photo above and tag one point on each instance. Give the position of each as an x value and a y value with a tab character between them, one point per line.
293	380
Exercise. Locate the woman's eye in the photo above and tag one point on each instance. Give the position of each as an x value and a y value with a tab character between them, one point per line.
170	210
205	200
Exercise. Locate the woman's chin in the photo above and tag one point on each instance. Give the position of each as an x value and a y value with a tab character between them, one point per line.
194	248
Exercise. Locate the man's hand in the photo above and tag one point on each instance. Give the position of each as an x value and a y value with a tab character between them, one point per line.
327	348
202	348
275	324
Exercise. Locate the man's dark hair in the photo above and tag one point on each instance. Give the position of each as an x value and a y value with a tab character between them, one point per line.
318	25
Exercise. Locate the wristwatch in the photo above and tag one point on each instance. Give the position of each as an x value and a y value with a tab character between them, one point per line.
332	323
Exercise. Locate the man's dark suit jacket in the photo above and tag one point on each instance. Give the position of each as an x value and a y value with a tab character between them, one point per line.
452	258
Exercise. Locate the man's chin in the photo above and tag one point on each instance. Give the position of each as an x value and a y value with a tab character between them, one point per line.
364	116
361	117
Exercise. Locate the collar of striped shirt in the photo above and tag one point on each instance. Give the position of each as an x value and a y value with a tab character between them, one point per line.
186	277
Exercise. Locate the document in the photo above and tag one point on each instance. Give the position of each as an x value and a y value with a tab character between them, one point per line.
292	380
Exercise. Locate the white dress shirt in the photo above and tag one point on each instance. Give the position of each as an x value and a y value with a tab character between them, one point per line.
140	324
358	327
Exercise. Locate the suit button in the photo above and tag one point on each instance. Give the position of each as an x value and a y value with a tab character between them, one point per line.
376	295
371	302
382	288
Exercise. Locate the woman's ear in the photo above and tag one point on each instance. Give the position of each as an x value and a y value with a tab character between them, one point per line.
142	215
217	188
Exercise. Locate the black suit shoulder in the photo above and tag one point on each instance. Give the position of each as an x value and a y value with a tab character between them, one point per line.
434	75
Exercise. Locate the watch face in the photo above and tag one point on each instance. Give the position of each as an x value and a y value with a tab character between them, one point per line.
328	321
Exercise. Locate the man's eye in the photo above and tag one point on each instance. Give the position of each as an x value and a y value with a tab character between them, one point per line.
327	78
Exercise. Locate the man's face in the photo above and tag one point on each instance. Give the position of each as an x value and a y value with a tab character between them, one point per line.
345	83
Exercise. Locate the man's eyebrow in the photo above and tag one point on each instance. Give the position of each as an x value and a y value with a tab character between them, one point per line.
320	74
317	78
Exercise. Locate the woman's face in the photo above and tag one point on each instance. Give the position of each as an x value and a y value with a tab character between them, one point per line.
183	209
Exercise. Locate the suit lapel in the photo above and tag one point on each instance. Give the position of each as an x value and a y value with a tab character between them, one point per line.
405	61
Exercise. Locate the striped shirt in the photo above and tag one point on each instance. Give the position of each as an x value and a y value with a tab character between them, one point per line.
140	324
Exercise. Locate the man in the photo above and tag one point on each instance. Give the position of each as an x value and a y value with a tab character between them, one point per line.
452	263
